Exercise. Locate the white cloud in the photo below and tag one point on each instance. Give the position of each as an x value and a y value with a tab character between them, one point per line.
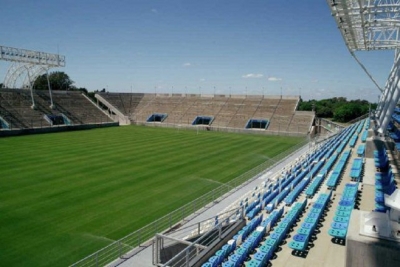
155	11
253	75
274	79
187	64
202	80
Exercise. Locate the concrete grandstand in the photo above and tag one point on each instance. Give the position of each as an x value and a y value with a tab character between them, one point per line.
74	108
225	111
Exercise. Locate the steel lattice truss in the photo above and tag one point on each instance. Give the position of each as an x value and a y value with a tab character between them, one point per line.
368	24
31	57
27	65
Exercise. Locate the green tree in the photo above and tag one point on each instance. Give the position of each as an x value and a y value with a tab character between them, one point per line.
348	112
338	108
59	80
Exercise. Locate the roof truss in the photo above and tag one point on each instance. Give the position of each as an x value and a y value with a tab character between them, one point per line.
368	24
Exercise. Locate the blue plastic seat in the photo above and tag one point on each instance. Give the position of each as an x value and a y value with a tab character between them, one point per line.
254	263
261	256
339	225
318	205
337	233
343	213
265	248
297	245
346	203
300	238
307	225
341	219
311	220
345	208
304	231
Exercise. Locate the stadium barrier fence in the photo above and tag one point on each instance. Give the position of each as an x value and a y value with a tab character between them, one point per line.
222	129
133	243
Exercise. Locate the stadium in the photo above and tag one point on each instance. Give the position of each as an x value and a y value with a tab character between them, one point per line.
185	179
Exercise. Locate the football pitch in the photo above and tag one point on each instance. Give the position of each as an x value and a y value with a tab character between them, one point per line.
65	195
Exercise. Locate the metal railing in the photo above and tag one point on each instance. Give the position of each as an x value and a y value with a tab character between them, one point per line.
206	238
124	247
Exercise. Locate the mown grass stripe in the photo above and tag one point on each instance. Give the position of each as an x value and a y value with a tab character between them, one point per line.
60	192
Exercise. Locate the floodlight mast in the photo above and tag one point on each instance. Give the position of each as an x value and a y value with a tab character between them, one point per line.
372	25
30	64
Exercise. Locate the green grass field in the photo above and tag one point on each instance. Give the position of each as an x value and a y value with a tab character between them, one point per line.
66	195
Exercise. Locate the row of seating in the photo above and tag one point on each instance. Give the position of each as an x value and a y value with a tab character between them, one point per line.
356	169
293	195
360	126
313	168
247	230
272	219
395	135
331	161
366	124
304	233
275	193
247	237
339	168
396	117
289	182
316	183
342	141
353	140
346	204
381	159
221	254
300	187
364	136
384	179
267	249
252	209
361	150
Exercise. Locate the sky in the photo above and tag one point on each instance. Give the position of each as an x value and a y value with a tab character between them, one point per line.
196	46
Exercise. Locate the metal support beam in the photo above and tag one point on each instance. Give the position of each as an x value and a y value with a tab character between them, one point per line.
390	97
31	89
181	241
48	84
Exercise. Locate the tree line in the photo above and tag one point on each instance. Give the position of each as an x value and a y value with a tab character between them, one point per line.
338	108
59	80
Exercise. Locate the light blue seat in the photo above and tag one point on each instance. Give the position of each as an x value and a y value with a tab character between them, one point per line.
339	225
337	233
297	245
341	219
254	263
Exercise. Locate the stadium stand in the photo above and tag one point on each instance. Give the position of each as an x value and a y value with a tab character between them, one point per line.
73	107
227	111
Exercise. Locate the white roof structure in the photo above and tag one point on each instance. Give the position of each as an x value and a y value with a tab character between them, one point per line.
372	25
368	24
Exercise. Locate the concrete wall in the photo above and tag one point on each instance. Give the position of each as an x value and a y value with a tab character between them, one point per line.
56	129
221	129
